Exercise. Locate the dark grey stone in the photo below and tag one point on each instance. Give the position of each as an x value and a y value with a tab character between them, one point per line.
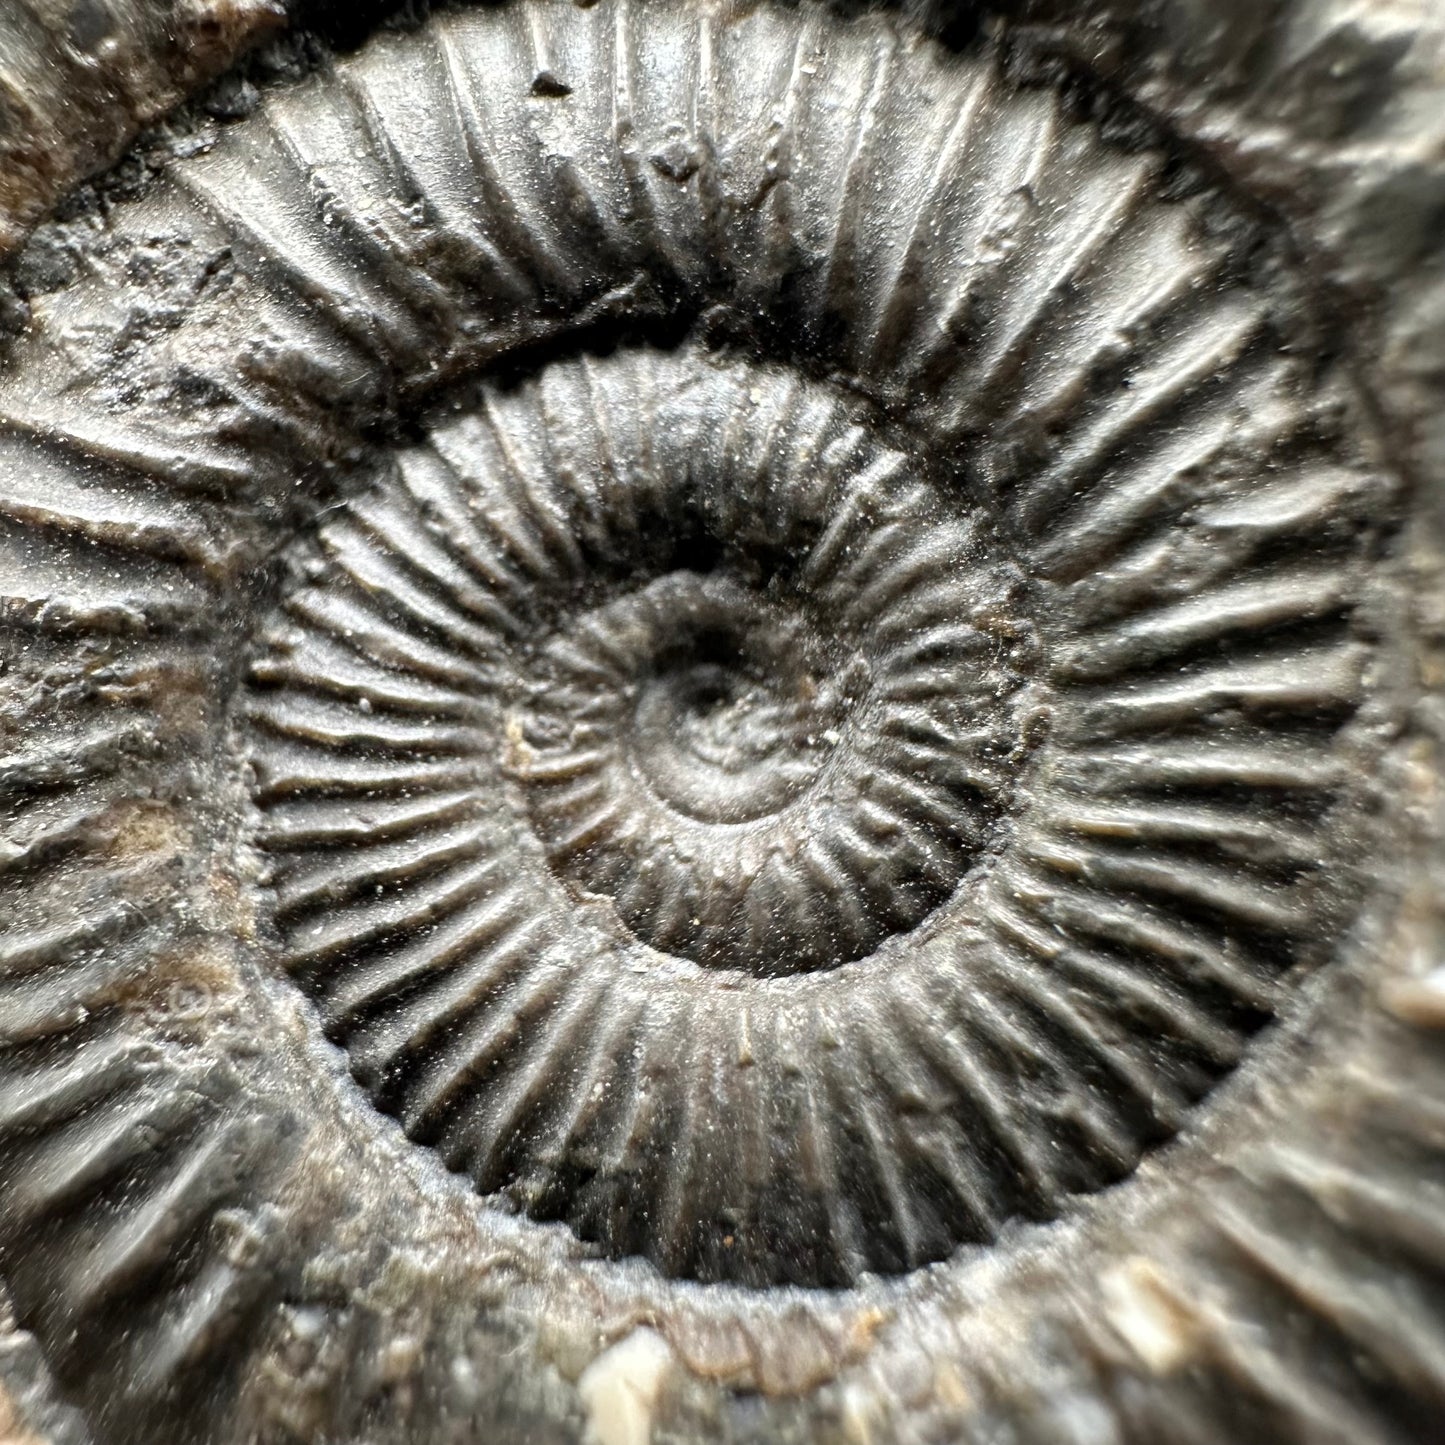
719	722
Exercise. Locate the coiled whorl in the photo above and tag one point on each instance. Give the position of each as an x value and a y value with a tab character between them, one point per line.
706	667
788	800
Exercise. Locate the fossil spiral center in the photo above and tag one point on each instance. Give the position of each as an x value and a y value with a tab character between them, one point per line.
683	738
724	730
727	703
751	690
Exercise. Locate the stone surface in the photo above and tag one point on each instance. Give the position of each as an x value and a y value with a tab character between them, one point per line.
719	724
78	79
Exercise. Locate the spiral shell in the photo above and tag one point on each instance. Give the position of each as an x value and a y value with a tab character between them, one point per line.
771	628
650	662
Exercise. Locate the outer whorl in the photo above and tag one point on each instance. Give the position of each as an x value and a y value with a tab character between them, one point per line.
768	632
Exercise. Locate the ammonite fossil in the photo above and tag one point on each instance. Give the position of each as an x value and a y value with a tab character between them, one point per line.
715	728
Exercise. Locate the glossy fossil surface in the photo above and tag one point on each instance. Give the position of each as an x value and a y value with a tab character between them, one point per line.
699	670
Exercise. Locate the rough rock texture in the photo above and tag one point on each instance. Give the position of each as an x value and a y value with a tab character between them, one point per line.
78	79
364	815
30	1412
